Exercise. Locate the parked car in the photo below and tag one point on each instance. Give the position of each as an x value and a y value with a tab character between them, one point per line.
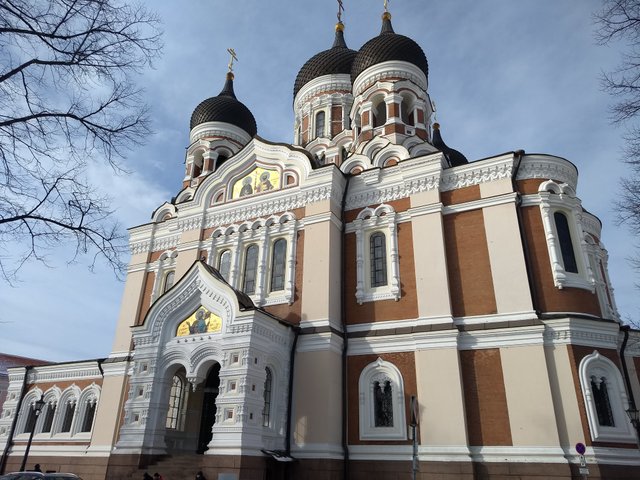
39	476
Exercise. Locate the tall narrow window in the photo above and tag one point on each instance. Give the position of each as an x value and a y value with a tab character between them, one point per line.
406	112
250	269
320	124
378	259
266	411
69	410
383	404
566	245
168	280
601	399
49	412
31	420
380	114
89	413
224	264
175	402
278	264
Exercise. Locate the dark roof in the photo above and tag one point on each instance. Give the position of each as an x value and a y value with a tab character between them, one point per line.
388	46
338	59
244	300
225	108
454	157
9	361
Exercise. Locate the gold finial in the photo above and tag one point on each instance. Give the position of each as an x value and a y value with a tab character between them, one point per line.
340	10
232	52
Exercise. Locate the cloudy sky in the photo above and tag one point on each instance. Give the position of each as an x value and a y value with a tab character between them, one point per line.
504	75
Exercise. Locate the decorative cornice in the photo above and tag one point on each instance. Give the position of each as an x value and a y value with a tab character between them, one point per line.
390	69
548	167
475	173
219	129
320	85
262	209
164	243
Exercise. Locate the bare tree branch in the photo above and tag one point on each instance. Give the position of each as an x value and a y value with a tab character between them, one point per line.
67	97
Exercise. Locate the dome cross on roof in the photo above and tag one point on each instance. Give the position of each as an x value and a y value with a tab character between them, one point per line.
232	52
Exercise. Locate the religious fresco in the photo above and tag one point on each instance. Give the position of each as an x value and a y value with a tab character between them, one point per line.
200	321
259	180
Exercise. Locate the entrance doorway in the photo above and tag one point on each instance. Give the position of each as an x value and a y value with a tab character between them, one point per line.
211	389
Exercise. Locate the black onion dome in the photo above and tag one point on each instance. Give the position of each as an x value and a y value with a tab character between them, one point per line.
225	108
338	59
454	157
386	47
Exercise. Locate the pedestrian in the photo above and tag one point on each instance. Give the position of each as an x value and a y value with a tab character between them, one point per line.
157	476
200	476
37	468
147	476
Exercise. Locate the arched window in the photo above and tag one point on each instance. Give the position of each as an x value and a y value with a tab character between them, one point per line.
320	116
250	269
379	114
177	402
566	245
198	162
32	417
89	414
605	400
49	413
268	385
382	408
68	413
224	264
602	401
406	111
378	259
222	157
168	280
383	404
278	264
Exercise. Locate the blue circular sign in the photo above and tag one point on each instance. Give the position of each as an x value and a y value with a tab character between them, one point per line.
580	448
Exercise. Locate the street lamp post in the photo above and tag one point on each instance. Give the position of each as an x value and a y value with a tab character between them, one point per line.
634	416
37	408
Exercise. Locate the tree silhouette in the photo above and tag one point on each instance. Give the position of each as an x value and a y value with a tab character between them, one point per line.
67	98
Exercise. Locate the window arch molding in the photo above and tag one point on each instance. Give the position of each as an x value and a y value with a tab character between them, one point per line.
51	399
25	412
376	373
559	201
68	404
263	232
87	405
369	222
600	368
162	268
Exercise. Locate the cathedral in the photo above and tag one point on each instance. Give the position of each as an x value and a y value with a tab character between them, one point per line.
365	302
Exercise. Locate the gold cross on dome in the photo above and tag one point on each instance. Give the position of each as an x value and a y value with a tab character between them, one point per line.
340	10
232	52
386	5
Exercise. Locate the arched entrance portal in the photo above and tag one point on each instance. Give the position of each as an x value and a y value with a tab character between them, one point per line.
208	418
191	413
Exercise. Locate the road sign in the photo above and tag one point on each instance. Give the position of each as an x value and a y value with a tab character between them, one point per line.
580	448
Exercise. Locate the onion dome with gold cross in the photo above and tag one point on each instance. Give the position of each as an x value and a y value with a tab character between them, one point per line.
225	108
388	46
